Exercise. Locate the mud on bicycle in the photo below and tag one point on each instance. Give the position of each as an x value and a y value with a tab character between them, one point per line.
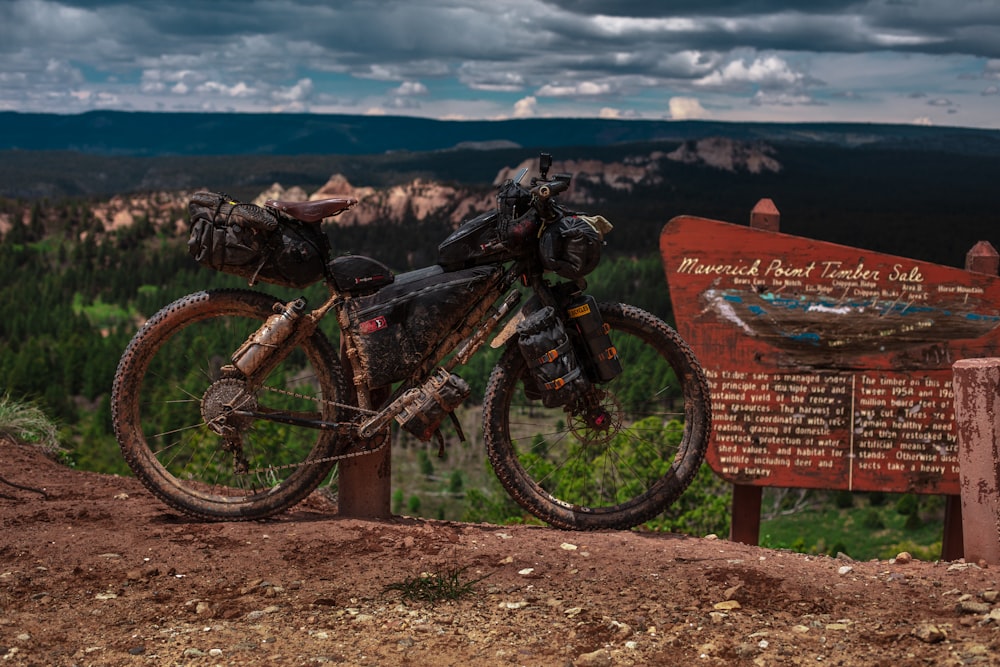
232	404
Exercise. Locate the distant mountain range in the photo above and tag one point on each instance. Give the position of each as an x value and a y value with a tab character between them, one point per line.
158	134
923	192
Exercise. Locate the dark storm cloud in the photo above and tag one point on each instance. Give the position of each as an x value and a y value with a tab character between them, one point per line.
300	54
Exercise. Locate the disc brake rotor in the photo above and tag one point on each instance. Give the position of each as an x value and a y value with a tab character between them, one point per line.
597	425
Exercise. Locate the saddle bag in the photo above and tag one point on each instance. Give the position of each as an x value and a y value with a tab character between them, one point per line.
252	242
552	361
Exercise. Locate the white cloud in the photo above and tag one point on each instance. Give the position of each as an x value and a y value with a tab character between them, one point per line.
786	99
525	107
686	108
768	71
410	88
581	89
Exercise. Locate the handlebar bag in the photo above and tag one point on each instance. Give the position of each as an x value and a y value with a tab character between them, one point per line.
249	241
572	245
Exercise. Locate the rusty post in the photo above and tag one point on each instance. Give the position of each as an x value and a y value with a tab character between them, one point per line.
977	415
364	483
765	216
981	258
745	526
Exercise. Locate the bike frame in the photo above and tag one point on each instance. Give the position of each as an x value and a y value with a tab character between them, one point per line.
464	341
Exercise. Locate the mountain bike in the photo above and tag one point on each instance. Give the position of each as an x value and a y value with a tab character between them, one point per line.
232	404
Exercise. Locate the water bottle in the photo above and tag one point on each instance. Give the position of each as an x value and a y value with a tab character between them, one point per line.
271	334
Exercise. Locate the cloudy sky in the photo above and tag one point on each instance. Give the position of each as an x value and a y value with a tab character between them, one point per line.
897	61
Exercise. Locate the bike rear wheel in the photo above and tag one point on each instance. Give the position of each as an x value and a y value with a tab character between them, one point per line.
572	474
170	384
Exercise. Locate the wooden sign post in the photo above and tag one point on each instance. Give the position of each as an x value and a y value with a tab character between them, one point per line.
829	366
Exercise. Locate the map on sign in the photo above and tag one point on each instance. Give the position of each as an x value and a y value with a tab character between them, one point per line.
829	366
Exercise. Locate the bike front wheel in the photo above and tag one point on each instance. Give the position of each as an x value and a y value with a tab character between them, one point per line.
169	402
626	465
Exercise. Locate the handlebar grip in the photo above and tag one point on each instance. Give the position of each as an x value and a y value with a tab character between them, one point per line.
551	188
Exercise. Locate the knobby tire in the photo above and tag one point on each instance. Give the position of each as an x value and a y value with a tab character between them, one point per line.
173	366
574	477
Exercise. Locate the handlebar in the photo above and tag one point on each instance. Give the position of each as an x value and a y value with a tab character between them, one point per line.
552	188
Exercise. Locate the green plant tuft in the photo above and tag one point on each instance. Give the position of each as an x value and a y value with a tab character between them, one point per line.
26	423
435	587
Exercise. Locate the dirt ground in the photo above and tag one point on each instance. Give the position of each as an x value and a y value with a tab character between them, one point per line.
98	572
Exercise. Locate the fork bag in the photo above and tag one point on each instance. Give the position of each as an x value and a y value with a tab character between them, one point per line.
551	359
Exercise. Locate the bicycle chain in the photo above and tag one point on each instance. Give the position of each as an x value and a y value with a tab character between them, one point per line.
326	459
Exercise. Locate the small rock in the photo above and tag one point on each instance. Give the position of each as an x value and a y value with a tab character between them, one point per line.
599	658
567	546
325	602
514	605
727	605
137	650
954	567
972	607
928	633
990	596
903	558
844	569
731	591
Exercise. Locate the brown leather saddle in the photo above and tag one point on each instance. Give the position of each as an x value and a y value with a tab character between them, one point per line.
312	211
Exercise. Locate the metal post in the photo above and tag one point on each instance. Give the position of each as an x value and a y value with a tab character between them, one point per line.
982	258
364	484
745	526
977	415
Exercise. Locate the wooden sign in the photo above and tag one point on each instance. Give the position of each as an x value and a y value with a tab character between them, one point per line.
829	366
